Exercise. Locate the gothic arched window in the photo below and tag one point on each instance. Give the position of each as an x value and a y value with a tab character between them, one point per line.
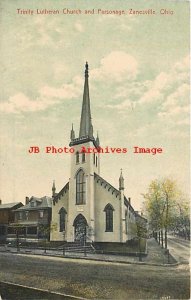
80	187
83	157
62	213
109	218
77	157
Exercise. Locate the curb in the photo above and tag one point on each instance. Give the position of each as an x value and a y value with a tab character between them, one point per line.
97	259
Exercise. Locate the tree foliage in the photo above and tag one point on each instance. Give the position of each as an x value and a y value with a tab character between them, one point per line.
166	208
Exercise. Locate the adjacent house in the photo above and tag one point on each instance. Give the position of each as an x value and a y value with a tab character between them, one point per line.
6	217
32	221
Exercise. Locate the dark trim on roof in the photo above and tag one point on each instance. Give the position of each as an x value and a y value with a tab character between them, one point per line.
109	187
83	140
61	193
128	204
106	184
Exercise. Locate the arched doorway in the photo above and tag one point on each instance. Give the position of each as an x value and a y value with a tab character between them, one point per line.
80	225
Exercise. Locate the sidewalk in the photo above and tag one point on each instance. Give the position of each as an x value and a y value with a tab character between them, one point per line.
155	255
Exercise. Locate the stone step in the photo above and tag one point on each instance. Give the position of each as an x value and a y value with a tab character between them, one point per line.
78	248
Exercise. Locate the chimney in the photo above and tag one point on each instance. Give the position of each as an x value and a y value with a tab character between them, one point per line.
26	200
0	201
129	200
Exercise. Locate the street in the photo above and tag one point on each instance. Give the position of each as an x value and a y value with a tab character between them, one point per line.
96	280
179	248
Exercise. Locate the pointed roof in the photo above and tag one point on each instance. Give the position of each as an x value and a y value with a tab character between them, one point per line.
53	185
121	181
86	128
43	202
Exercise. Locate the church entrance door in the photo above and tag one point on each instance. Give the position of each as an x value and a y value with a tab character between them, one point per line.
80	225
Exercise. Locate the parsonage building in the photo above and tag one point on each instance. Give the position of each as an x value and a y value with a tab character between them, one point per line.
88	207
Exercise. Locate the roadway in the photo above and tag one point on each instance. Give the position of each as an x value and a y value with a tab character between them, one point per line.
96	279
179	248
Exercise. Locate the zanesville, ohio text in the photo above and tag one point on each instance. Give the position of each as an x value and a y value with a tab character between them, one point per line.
88	150
94	11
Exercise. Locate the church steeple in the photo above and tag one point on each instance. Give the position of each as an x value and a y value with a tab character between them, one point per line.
72	133
97	140
86	128
53	189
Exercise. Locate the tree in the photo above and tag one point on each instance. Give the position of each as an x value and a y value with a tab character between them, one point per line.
141	232
45	231
155	206
171	195
161	204
181	221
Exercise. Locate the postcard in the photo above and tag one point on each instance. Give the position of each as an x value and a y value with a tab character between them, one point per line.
94	151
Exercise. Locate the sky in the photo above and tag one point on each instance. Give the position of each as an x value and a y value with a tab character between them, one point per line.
139	91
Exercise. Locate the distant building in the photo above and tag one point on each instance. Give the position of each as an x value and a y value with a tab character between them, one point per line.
141	224
32	221
89	207
6	217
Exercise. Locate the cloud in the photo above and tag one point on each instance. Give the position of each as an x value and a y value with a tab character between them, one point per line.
120	23
177	98
67	91
163	102
48	96
165	84
176	111
21	103
124	105
117	66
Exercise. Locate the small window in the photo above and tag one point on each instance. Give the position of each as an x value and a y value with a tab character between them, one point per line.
77	157
96	161
32	204
20	215
83	157
27	215
94	158
41	214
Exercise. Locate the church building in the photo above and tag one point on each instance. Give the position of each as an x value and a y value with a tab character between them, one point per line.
89	207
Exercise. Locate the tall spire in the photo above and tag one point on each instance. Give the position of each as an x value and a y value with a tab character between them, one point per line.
97	140
53	189
86	128
72	133
121	181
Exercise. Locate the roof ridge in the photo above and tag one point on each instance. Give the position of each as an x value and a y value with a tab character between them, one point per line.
61	191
